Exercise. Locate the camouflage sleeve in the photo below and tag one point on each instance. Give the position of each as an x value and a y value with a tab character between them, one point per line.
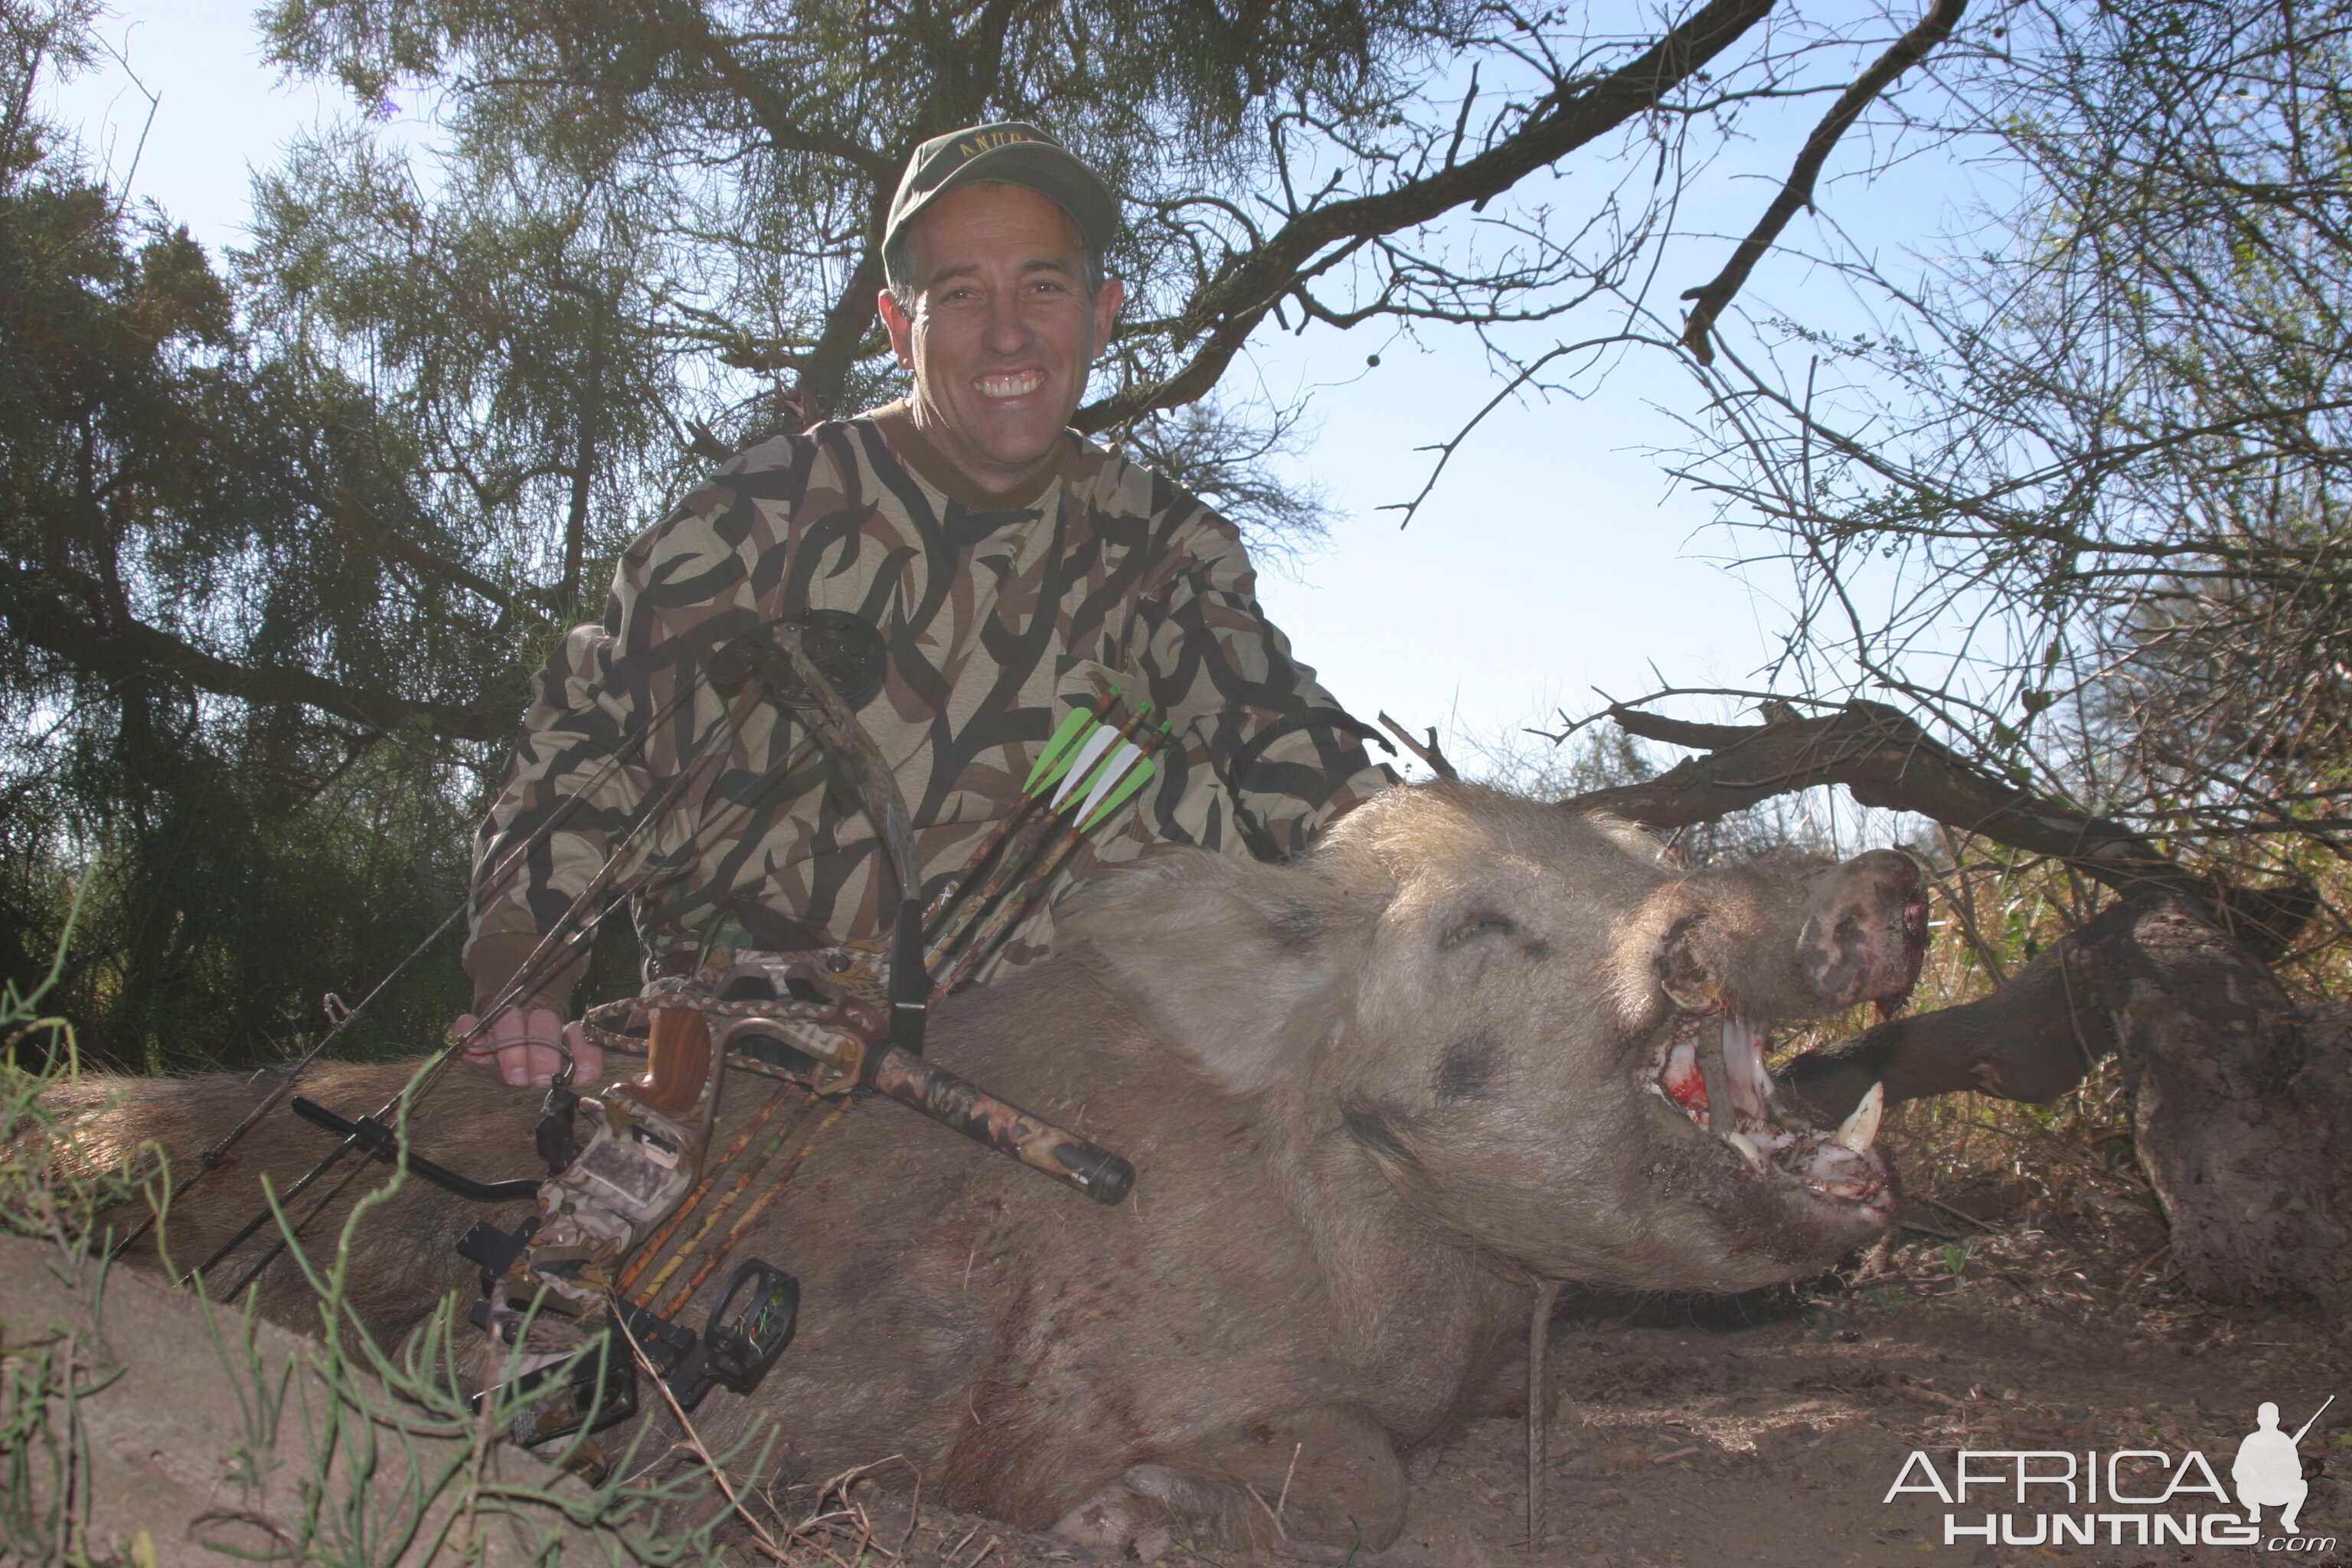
681	583
1287	757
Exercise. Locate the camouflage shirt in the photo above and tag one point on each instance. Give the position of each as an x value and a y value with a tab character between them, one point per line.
998	614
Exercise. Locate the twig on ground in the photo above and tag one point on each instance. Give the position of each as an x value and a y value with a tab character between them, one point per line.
1963	1213
1283	1502
734	1499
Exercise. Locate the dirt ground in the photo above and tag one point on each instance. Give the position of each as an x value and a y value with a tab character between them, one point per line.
1767	1430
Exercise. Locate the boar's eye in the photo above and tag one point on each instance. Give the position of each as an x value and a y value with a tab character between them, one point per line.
1477	925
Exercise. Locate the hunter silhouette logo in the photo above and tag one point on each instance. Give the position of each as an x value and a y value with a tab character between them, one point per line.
2127	1496
2269	1471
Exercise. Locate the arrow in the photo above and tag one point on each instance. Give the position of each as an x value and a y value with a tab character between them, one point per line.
1082	762
1112	797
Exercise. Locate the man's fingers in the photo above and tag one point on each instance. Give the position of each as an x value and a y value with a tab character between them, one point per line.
543	1057
516	1035
506	1032
587	1057
540	1061
524	1046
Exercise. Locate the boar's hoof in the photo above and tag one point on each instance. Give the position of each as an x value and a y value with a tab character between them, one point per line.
1843	1170
1132	1513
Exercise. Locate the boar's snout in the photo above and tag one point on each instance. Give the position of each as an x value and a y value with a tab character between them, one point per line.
1866	930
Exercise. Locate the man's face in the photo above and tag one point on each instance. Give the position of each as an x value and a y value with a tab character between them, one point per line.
1002	332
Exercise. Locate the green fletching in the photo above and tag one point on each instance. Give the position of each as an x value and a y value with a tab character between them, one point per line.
1119	797
1059	750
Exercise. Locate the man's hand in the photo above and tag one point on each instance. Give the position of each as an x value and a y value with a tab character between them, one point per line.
520	1046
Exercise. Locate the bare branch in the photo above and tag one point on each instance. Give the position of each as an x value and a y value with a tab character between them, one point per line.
1797	192
1228	310
1886	760
1427	751
130	648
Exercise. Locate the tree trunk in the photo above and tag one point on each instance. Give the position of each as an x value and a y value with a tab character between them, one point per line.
2242	1101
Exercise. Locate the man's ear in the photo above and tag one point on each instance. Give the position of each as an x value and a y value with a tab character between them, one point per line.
1107	299
1248	970
900	326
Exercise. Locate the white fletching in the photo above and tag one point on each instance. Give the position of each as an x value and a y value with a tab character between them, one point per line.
1083	763
1122	760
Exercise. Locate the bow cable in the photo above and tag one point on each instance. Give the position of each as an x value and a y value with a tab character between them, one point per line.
210	1160
556	946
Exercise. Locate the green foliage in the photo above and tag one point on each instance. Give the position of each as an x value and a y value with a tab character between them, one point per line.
193	590
51	1193
47	1189
365	1414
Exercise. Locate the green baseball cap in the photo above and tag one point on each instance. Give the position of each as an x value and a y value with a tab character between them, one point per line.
1012	151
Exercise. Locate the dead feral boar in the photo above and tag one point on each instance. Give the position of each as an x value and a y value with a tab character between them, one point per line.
1370	1094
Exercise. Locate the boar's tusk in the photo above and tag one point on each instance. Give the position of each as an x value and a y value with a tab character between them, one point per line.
1860	1130
1747	1147
1721	1114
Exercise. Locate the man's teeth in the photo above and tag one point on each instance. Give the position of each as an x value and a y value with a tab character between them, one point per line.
1860	1130
1019	385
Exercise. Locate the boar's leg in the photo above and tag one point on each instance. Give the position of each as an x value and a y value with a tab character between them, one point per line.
1310	1483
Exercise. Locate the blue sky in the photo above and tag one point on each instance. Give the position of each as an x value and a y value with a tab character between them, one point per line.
1553	558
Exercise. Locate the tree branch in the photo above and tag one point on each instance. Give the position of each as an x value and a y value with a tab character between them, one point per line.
689	27
339	504
1886	760
825	372
131	649
1798	191
1231	308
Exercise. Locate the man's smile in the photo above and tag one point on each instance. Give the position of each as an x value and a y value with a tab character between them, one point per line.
1012	382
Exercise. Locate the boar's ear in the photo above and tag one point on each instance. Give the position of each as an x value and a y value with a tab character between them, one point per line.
1248	970
1684	974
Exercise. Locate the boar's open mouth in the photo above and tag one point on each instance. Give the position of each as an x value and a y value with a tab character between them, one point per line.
1842	1166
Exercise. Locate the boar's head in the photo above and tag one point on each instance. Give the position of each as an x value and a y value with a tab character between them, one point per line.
1506	1009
